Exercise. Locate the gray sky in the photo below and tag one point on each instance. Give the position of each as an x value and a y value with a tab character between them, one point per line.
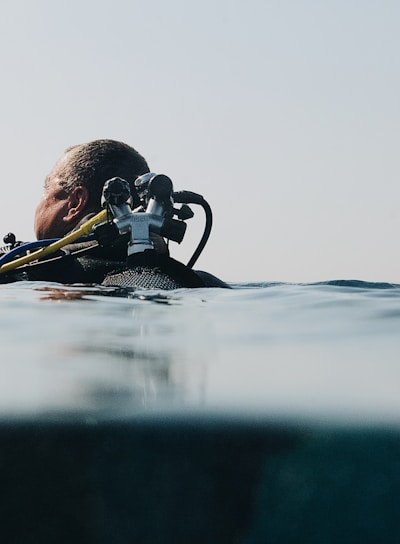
284	114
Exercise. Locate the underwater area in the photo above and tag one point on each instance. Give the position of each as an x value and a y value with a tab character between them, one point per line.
265	412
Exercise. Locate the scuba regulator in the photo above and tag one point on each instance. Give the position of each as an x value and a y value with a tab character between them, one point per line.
154	214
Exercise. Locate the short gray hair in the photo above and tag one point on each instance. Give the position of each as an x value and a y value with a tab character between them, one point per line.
91	164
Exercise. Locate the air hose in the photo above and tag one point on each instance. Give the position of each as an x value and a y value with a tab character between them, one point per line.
23	247
83	230
188	197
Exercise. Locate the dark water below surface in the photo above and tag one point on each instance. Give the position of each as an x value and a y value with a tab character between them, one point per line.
325	351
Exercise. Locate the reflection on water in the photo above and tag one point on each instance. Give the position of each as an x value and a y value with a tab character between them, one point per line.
321	350
80	348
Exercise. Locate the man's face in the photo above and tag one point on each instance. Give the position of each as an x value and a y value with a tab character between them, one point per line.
51	210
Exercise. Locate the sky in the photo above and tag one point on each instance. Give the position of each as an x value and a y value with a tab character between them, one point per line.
283	114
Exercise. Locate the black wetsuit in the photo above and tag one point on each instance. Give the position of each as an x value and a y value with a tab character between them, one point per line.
88	262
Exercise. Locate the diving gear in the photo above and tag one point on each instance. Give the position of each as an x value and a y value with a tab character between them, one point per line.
86	228
119	249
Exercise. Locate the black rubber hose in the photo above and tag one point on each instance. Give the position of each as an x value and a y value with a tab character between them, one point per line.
206	234
188	197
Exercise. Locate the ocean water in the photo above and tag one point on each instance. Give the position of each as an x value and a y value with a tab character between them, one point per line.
322	352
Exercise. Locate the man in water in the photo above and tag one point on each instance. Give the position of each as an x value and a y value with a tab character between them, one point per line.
74	187
72	193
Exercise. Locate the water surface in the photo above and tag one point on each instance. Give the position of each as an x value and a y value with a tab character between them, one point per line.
326	351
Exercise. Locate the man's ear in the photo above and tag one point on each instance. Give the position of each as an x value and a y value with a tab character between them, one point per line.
78	200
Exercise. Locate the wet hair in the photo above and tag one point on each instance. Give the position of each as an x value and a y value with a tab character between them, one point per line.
91	164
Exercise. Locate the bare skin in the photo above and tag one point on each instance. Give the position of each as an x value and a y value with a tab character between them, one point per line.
59	211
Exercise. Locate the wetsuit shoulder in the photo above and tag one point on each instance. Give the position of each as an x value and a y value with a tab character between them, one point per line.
210	280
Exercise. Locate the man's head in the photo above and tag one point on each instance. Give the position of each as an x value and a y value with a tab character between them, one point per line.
74	186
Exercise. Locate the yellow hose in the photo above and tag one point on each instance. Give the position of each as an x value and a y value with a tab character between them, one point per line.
85	229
